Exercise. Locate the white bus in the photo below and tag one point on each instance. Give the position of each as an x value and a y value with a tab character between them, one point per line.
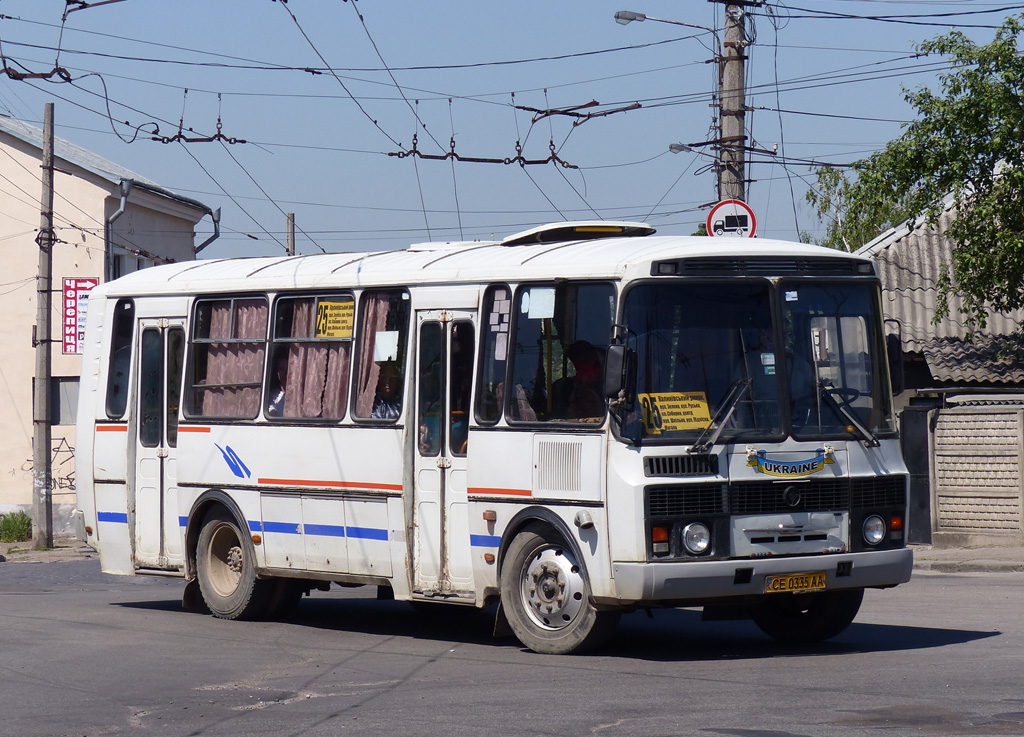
577	421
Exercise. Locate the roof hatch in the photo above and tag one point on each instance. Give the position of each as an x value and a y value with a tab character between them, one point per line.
578	231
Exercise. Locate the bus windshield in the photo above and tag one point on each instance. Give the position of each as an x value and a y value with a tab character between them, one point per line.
715	356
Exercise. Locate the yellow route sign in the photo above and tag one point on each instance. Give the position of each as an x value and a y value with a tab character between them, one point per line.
668	411
335	319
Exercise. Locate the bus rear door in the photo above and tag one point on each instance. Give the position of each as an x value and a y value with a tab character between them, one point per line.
442	566
156	529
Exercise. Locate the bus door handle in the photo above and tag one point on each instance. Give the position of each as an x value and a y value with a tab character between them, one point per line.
444	462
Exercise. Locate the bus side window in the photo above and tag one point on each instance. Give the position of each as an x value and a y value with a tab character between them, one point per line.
120	358
309	371
383	337
561	336
493	354
229	342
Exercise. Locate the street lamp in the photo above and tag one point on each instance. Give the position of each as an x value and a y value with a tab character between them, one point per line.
628	16
731	99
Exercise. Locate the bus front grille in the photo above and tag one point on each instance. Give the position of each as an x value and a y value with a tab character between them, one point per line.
681	465
880	491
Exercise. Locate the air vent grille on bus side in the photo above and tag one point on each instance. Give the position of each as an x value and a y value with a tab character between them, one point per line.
763	266
559	467
879	491
686	465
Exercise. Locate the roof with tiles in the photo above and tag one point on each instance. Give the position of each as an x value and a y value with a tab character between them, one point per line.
910	259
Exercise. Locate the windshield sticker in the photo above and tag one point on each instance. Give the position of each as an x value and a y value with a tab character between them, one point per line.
789	469
768	361
539	303
791	296
668	411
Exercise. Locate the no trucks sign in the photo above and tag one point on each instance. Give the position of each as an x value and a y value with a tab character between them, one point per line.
732	218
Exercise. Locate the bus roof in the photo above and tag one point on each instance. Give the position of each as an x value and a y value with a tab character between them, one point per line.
518	258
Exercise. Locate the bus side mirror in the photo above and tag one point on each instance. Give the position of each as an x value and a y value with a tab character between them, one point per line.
894	351
620	374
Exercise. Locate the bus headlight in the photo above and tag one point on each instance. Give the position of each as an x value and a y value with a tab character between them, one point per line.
874	530
696	537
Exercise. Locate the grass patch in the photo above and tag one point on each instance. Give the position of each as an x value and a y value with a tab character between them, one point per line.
15	527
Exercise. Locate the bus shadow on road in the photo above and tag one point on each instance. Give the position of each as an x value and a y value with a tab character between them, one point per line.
679	634
664	635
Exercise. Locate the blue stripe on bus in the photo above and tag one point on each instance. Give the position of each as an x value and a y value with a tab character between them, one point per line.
121	517
325	530
287	528
484	541
367	533
291	528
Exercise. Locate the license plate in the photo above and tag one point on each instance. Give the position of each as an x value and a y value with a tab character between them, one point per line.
794	582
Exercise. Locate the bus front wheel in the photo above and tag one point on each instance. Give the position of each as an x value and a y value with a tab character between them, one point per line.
546	597
227	570
807	617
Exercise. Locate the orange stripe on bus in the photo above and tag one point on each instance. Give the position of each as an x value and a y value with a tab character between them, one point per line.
508	492
330	484
192	428
111	428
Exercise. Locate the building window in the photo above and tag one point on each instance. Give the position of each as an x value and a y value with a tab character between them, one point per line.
63	400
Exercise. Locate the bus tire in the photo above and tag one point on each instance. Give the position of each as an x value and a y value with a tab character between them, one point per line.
226	568
546	597
807	617
285	595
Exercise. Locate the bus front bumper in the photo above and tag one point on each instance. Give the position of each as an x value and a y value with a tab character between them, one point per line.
698	580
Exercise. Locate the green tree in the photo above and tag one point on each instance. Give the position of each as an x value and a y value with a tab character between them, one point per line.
965	149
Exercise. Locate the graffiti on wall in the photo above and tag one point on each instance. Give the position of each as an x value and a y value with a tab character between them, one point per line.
62	465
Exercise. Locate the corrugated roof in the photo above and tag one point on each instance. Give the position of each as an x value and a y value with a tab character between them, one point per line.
985	359
910	259
101	167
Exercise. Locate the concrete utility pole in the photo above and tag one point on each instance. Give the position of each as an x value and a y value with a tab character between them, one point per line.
732	176
42	481
291	234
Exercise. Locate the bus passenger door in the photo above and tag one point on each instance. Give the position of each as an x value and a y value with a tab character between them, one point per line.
157	533
442	566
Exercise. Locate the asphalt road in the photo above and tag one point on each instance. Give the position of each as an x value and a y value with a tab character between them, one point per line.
86	654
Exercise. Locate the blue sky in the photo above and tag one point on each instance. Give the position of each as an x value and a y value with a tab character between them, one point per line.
321	143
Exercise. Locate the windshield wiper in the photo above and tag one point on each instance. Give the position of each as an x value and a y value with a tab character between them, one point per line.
709	435
834	398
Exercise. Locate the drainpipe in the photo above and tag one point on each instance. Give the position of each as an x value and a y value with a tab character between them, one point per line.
108	231
215	216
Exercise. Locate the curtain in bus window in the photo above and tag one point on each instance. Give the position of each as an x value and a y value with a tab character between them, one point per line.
375	316
383	334
317	374
234	370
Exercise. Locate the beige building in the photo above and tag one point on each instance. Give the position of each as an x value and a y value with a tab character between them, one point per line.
107	222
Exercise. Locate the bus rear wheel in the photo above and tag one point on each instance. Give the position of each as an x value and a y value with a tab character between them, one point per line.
227	570
546	597
807	617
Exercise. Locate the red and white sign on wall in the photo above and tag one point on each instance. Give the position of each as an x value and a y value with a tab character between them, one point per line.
732	218
76	301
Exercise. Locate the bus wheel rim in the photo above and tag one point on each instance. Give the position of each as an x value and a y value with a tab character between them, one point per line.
553	588
226	561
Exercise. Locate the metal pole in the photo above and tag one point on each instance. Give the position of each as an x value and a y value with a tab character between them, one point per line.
42	491
291	233
732	169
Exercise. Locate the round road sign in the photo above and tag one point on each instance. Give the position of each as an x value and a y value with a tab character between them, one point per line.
732	218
